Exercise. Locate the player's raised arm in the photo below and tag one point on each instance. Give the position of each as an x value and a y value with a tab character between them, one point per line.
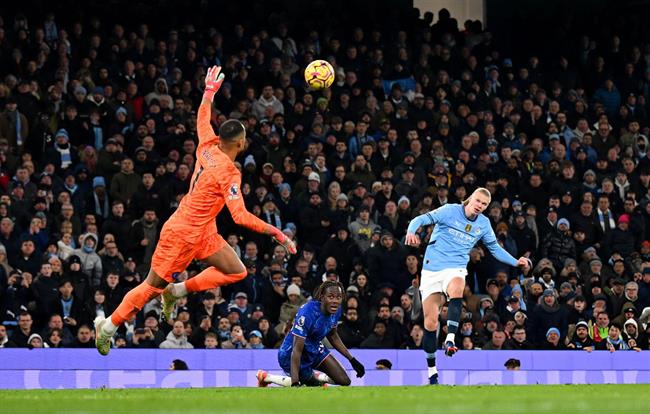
213	81
244	218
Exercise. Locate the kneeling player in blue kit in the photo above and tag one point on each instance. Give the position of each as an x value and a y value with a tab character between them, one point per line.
302	350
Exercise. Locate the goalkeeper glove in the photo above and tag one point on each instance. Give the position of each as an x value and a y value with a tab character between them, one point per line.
213	81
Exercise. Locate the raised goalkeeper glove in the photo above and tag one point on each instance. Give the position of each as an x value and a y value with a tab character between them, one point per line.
213	81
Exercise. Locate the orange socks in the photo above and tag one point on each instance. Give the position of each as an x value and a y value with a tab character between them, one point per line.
133	302
211	278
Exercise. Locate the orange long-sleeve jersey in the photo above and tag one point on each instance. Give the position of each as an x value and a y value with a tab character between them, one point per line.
215	182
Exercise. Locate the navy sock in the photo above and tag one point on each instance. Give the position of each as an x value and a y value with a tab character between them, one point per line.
429	344
453	314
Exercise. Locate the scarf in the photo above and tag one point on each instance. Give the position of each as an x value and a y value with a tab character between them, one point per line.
273	219
617	343
99	137
14	118
598	333
66	157
19	137
99	209
72	189
601	220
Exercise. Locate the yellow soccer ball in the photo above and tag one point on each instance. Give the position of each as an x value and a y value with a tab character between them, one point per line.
319	74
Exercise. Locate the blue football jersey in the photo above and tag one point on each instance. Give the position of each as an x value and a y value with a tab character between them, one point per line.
454	236
310	323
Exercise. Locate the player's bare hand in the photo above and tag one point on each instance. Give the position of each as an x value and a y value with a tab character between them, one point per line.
412	239
525	264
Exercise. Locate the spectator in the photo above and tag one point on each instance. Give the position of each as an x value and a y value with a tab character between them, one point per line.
497	342
558	245
379	338
125	183
614	341
91	263
519	339
84	338
237	339
553	342
362	228
548	314
176	338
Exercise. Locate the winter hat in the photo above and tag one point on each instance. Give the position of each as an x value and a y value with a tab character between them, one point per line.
249	160
553	329
565	222
313	176
80	90
293	289
62	133
99	182
403	198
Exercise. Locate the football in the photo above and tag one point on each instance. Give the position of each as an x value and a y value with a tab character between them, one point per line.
319	74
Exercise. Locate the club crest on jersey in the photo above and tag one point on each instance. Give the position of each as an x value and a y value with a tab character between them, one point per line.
468	228
233	192
478	230
301	321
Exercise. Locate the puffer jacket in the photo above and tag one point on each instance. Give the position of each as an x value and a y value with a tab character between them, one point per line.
558	247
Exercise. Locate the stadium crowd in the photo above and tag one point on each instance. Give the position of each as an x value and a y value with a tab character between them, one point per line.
97	143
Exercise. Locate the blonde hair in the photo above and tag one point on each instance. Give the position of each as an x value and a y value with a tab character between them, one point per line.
481	190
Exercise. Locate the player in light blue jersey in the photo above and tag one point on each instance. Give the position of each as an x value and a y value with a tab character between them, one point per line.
458	227
302	350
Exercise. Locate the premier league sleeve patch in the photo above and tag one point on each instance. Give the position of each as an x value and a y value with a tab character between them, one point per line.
300	323
233	192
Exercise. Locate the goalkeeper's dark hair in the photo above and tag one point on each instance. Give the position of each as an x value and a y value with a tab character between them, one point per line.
320	290
231	130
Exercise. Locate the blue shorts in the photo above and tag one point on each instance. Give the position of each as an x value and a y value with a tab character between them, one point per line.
312	357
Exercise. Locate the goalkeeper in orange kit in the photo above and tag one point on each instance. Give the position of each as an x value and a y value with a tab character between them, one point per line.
191	232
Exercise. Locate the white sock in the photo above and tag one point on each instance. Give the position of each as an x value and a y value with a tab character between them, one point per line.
109	327
280	380
451	337
432	371
179	290
322	377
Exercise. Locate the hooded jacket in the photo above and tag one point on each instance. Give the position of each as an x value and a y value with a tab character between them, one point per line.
176	343
91	263
160	95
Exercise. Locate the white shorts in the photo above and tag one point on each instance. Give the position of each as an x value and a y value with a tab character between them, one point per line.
437	282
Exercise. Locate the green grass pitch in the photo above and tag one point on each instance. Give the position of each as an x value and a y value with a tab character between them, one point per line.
556	399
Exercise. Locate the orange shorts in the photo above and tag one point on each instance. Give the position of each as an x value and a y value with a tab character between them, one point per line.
174	252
